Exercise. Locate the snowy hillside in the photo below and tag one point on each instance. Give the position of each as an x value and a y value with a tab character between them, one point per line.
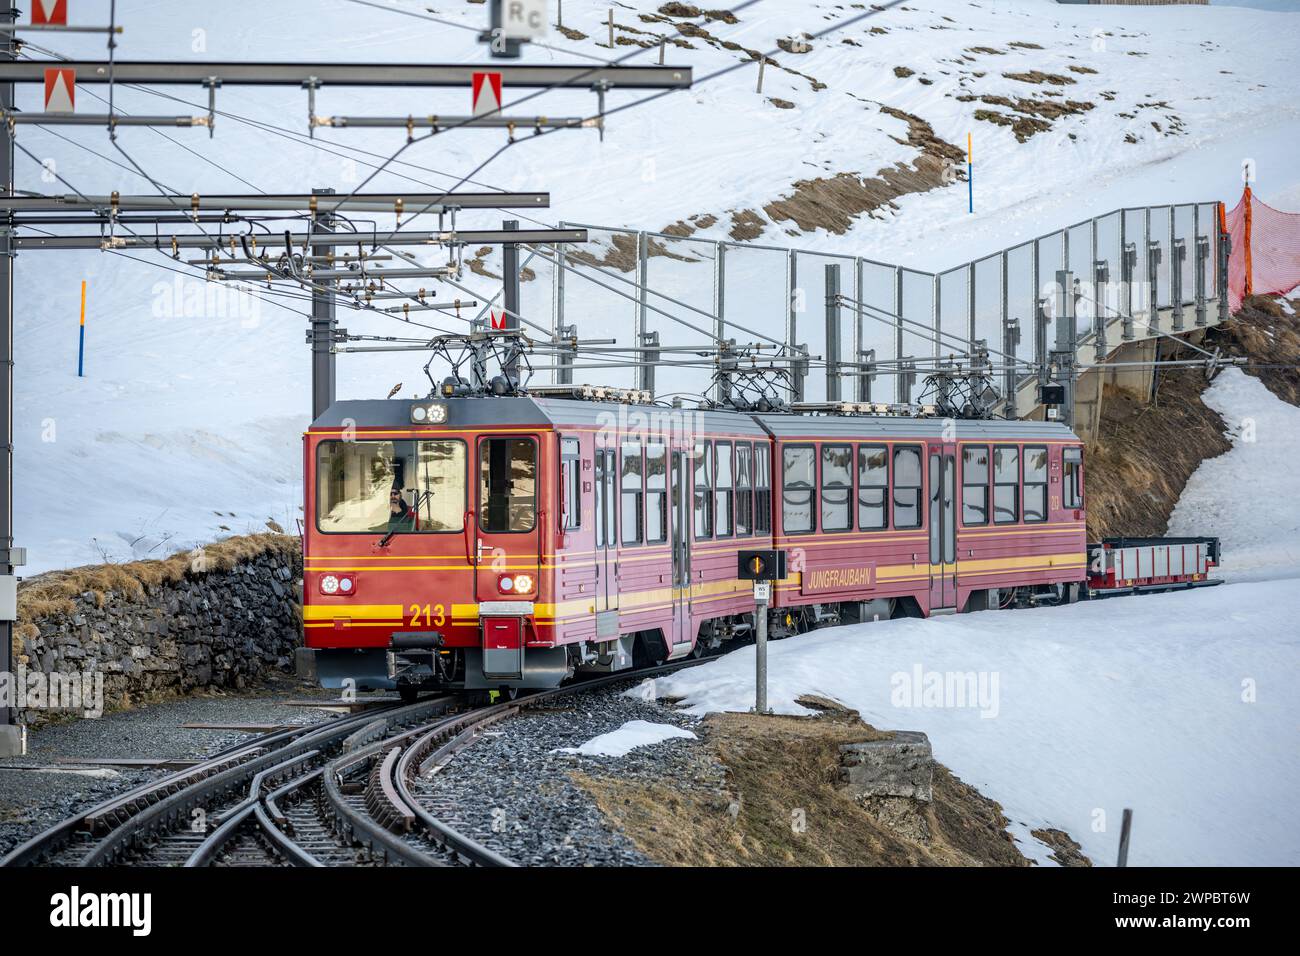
187	423
1259	529
1178	706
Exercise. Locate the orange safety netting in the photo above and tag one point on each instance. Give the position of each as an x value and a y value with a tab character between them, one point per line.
1265	255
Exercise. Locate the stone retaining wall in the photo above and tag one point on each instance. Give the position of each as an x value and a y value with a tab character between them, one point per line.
217	617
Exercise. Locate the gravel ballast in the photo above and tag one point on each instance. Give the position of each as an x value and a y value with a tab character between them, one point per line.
34	799
512	788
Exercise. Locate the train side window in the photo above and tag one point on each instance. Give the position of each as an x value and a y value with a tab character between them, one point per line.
907	486
571	483
1035	497
1072	480
762	489
837	487
1006	484
975	484
507	484
656	494
632	491
744	489
703	491
724	498
873	487
798	482
600	497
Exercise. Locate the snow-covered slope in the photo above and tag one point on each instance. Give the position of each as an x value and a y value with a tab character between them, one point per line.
1250	495
1178	706
188	420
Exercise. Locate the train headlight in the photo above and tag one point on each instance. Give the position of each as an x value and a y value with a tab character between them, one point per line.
329	584
523	584
347	585
429	413
506	583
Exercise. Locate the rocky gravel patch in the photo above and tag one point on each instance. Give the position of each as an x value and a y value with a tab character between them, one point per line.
514	790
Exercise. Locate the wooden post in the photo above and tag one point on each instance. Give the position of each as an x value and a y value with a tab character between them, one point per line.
1125	827
762	61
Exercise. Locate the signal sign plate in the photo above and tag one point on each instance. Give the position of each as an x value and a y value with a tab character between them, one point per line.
762	590
60	90
51	12
486	92
523	19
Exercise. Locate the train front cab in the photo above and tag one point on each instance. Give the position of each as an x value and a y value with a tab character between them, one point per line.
424	546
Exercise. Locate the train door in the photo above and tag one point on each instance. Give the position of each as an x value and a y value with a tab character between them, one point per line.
606	556
507	557
943	526
680	528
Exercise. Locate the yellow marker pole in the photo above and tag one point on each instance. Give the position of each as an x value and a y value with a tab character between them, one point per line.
81	345
970	179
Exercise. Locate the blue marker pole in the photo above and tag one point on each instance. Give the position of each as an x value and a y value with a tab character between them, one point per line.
81	344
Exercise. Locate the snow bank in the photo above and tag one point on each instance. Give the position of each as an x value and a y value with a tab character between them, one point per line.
621	742
1250	495
1181	706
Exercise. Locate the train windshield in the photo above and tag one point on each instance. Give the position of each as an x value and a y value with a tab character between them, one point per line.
390	486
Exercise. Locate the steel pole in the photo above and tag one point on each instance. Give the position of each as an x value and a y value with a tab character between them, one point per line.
760	656
324	322
510	281
833	333
11	738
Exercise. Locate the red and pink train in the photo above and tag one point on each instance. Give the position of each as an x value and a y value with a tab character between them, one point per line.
486	542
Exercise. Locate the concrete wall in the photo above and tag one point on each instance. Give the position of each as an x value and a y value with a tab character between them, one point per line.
215	618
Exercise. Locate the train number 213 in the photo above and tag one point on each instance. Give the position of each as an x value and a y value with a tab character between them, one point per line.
433	615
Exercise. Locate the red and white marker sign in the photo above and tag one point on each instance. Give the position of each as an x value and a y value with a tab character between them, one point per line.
498	321
52	12
487	93
60	90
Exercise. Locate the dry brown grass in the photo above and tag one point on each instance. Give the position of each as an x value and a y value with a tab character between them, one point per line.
833	203
1039	77
1145	452
779	765
621	254
54	593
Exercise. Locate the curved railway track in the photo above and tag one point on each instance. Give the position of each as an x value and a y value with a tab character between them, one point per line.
344	792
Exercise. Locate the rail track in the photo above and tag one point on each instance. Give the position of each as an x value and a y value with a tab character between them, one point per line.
340	793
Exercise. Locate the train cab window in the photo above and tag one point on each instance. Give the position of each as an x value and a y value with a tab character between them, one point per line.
631	491
744	489
907	486
762	489
837	487
725	495
975	484
1072	480
703	491
798	482
1035	497
656	494
365	487
873	486
1006	484
571	483
507	499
